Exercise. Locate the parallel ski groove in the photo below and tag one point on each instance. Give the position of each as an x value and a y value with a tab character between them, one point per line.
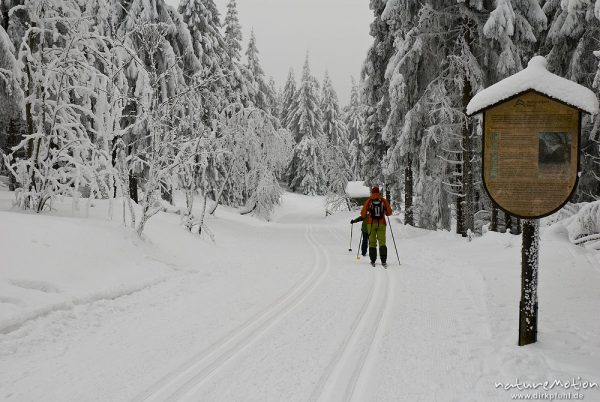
194	384
359	369
191	375
343	351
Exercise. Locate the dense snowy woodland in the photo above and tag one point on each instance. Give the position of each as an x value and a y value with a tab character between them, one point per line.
137	99
151	170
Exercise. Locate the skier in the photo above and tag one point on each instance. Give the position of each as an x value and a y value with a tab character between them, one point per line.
374	211
364	245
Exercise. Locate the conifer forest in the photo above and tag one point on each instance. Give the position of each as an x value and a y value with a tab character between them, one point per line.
105	98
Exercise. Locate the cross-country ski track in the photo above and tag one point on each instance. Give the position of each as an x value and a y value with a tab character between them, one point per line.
282	311
184	382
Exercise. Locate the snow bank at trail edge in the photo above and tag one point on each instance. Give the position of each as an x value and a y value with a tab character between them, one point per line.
52	263
55	261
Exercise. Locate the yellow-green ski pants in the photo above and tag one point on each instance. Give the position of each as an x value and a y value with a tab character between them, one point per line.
376	233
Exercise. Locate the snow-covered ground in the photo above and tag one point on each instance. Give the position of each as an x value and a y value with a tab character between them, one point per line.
281	311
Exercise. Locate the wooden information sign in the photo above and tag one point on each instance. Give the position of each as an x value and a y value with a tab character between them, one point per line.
531	126
531	154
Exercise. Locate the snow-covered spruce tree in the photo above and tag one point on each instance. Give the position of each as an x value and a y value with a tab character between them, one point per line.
448	165
5	9
595	131
407	76
16	21
226	190
512	26
177	63
8	64
570	44
241	89
256	151
354	119
11	121
10	94
58	156
202	19
233	31
261	98
159	150
337	158
273	98
4	16
287	102
334	127
108	107
428	99
375	95
305	172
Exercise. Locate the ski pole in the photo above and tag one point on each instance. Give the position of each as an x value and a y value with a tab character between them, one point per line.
359	245
394	240
351	227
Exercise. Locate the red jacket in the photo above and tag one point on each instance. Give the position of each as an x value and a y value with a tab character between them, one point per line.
365	210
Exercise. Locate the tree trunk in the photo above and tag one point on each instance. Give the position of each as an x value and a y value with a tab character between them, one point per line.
446	218
28	113
133	188
388	196
114	155
408	193
460	215
467	168
203	215
133	181
494	222
166	192
217	196
508	222
460	219
14	135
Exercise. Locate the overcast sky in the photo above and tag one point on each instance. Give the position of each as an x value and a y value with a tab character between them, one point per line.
335	32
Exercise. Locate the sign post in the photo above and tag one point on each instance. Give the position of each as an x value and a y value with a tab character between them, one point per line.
531	150
528	307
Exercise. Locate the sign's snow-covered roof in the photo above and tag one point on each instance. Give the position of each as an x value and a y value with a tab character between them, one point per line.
536	77
357	189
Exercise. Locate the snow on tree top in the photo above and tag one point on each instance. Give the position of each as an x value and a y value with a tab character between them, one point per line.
357	189
536	77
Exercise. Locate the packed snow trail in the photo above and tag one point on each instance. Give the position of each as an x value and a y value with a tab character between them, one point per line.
185	380
281	311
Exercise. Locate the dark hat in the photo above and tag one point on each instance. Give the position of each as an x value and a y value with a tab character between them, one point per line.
375	190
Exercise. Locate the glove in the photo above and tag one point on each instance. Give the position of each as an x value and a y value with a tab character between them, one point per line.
352	221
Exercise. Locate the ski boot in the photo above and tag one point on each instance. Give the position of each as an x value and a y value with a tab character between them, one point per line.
373	255
383	255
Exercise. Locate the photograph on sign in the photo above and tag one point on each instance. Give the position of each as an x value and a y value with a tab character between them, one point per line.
554	153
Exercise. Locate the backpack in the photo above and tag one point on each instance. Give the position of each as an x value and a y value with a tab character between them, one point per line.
376	209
